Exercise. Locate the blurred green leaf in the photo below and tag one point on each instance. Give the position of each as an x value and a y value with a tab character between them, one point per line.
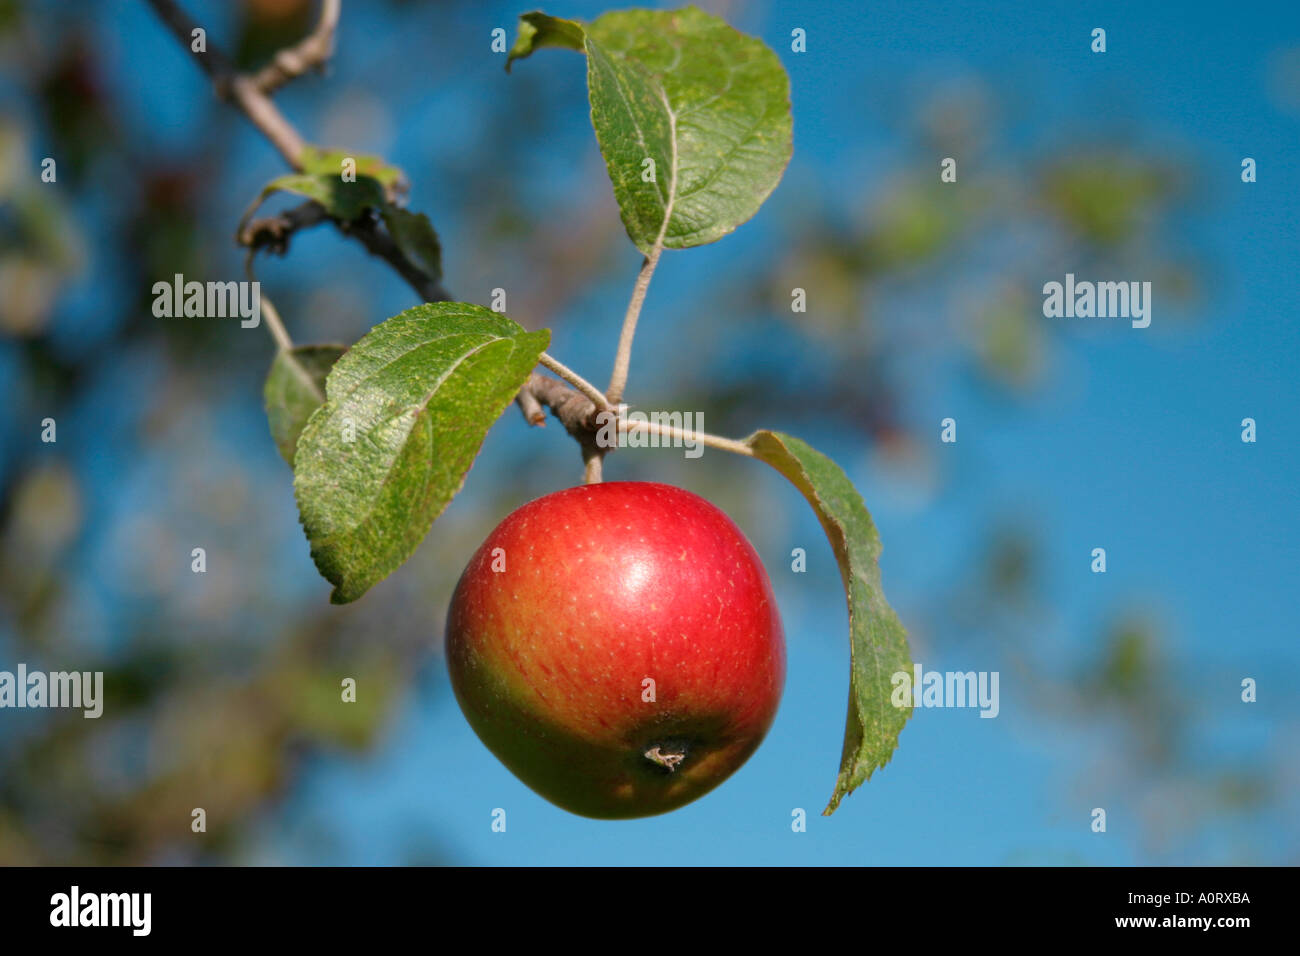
342	200
1009	341
914	223
1104	198
318	161
537	30
415	236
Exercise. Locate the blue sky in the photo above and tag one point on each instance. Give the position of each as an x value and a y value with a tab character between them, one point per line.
1133	445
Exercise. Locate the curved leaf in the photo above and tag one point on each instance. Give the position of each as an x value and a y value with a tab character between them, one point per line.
415	236
406	411
878	641
319	161
537	30
708	105
342	200
295	387
375	186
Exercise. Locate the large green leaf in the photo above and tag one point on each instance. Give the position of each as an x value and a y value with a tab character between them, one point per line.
295	387
406	410
878	642
709	105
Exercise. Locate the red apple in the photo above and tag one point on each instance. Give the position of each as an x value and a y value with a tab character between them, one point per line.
617	646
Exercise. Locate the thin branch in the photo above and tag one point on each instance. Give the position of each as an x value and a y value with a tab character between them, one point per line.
580	414
213	62
249	97
623	359
312	52
576	410
272	319
233	86
269	312
703	438
577	381
285	344
532	409
273	232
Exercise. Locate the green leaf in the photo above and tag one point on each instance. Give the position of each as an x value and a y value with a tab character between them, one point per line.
329	162
415	236
878	642
294	389
537	30
406	410
709	105
374	187
342	200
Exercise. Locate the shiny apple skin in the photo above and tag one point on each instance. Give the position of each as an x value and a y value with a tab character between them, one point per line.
605	587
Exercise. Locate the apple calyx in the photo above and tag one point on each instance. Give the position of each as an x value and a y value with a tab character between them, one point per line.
667	759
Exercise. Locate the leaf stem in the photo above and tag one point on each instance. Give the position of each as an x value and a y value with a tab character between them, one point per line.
250	94
273	325
713	441
577	381
270	315
593	458
233	86
618	380
312	52
623	359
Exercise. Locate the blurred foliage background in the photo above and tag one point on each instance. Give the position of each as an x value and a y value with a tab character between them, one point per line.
223	687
